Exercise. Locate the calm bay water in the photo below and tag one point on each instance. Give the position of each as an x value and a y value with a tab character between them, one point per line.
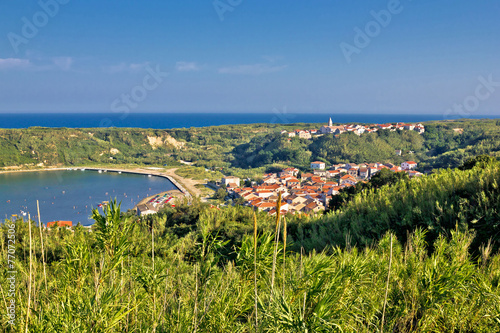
180	120
70	195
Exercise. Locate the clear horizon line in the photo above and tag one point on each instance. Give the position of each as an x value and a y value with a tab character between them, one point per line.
245	112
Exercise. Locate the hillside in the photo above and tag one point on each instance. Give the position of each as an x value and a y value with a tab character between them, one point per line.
445	144
237	147
69	147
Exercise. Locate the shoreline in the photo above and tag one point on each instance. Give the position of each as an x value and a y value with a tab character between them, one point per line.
35	170
173	193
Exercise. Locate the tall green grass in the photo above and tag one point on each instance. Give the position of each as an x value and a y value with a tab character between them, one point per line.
106	280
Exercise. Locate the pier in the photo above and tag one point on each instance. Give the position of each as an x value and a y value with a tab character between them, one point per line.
146	173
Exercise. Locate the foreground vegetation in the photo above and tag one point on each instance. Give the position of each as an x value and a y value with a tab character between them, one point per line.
418	256
449	199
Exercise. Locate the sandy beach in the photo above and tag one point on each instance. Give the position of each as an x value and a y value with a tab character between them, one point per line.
173	193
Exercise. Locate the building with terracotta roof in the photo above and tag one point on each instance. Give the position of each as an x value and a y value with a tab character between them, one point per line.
293	182
363	173
348	179
409	165
231	179
60	224
146	209
318	165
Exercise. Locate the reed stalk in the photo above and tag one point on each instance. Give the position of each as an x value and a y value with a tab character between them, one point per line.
284	253
195	312
301	274
41	241
153	258
276	239
386	290
153	246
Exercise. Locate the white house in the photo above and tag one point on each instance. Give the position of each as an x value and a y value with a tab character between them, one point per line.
231	179
419	128
348	179
146	209
318	165
409	165
304	135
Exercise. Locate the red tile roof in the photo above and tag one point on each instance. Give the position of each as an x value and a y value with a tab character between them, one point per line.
60	224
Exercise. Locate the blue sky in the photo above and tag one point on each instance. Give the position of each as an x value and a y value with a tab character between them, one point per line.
250	56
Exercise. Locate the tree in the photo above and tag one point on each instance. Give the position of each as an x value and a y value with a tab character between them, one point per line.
239	201
220	194
481	161
384	177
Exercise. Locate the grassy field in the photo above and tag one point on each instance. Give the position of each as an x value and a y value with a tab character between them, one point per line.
128	277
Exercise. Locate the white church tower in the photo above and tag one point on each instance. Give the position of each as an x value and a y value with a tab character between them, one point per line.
330	123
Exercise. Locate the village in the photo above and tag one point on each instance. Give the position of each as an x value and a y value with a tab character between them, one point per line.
352	128
304	193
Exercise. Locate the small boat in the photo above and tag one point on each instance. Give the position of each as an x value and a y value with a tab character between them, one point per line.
149	175
100	171
119	172
103	204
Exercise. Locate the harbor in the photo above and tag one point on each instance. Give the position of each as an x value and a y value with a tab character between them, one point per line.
71	195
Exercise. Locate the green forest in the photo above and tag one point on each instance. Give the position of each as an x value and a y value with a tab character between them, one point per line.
235	148
407	256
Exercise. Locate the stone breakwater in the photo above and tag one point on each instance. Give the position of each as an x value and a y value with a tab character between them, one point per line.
179	186
146	173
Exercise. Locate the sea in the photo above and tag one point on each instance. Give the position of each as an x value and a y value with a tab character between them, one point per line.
70	195
187	120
